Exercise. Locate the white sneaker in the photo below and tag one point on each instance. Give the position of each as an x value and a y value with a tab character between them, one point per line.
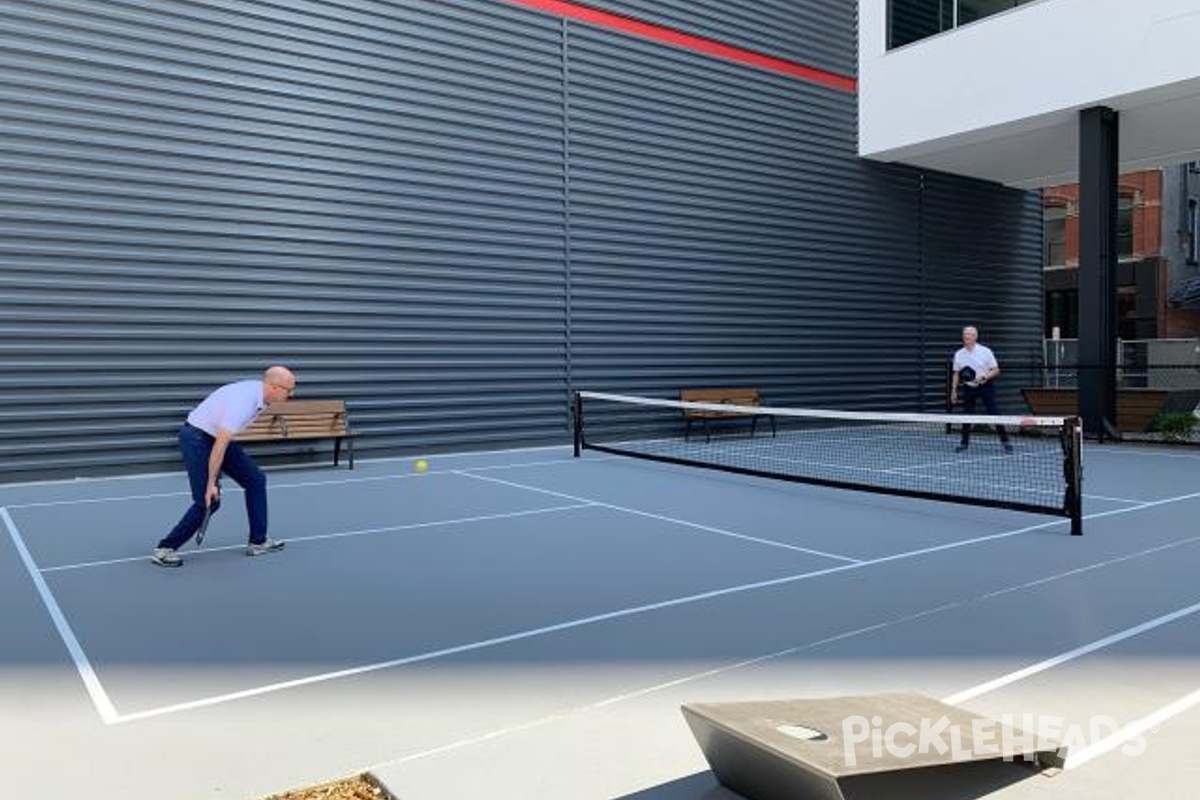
268	546
166	557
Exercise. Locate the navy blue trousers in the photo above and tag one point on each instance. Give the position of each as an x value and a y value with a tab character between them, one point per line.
196	446
972	395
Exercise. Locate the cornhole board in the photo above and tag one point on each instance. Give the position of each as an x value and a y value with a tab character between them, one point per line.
797	749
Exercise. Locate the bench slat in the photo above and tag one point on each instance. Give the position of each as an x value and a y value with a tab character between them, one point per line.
735	397
293	420
732	396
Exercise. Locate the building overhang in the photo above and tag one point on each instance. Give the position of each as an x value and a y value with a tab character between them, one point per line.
1158	127
999	99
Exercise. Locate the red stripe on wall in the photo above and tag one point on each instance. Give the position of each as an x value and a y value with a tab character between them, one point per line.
686	41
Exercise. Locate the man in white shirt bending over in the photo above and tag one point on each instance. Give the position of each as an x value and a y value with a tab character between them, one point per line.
206	442
975	370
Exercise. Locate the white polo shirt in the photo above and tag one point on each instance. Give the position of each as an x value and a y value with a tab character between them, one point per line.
229	408
979	359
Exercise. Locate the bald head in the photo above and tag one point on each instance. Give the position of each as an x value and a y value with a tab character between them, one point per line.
277	373
278	384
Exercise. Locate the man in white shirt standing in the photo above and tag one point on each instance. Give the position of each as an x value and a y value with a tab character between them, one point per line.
976	384
206	442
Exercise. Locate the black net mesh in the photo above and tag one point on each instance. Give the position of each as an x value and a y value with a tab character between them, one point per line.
1027	463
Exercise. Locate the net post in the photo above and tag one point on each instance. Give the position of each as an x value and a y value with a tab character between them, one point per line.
577	409
1073	472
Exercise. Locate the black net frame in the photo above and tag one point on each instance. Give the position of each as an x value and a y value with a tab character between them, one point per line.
909	455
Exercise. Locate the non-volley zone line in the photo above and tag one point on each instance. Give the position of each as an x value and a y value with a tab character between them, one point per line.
608	616
344	534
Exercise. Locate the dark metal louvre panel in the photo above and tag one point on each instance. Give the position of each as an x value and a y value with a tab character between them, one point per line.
723	231
983	261
371	192
817	33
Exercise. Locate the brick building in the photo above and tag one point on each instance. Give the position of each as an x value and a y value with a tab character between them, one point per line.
1156	246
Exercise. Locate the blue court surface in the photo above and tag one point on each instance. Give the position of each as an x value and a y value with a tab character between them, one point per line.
525	625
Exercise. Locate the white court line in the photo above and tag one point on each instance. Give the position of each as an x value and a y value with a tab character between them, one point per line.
673	520
1119	450
1093	566
813	645
1109	499
1135	728
1070	655
303	485
112	717
535	632
631	695
91	681
75	481
604	617
338	535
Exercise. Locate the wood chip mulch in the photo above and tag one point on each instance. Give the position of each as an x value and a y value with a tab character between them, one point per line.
360	787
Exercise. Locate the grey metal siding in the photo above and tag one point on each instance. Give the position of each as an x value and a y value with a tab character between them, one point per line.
724	232
982	248
449	214
818	33
371	192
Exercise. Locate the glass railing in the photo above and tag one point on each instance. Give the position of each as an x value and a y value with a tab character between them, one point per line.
912	20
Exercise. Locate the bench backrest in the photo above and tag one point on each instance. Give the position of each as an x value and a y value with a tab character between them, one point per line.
298	419
1136	407
734	397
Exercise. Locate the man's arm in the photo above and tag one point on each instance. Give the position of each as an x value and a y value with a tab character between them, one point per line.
993	372
215	459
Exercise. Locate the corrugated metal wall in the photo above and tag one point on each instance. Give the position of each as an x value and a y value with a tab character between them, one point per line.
449	213
371	192
979	242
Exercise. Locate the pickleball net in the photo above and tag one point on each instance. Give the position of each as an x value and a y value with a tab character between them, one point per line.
913	455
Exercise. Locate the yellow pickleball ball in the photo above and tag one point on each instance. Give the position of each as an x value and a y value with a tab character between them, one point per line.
421	466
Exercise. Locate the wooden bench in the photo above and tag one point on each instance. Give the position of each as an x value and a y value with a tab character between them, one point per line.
1136	407
733	397
297	420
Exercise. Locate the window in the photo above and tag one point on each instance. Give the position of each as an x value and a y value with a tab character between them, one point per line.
972	10
912	20
1055	217
1124	225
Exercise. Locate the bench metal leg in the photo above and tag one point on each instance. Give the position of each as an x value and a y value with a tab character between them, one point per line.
337	451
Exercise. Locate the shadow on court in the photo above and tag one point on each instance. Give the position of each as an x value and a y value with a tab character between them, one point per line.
960	782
